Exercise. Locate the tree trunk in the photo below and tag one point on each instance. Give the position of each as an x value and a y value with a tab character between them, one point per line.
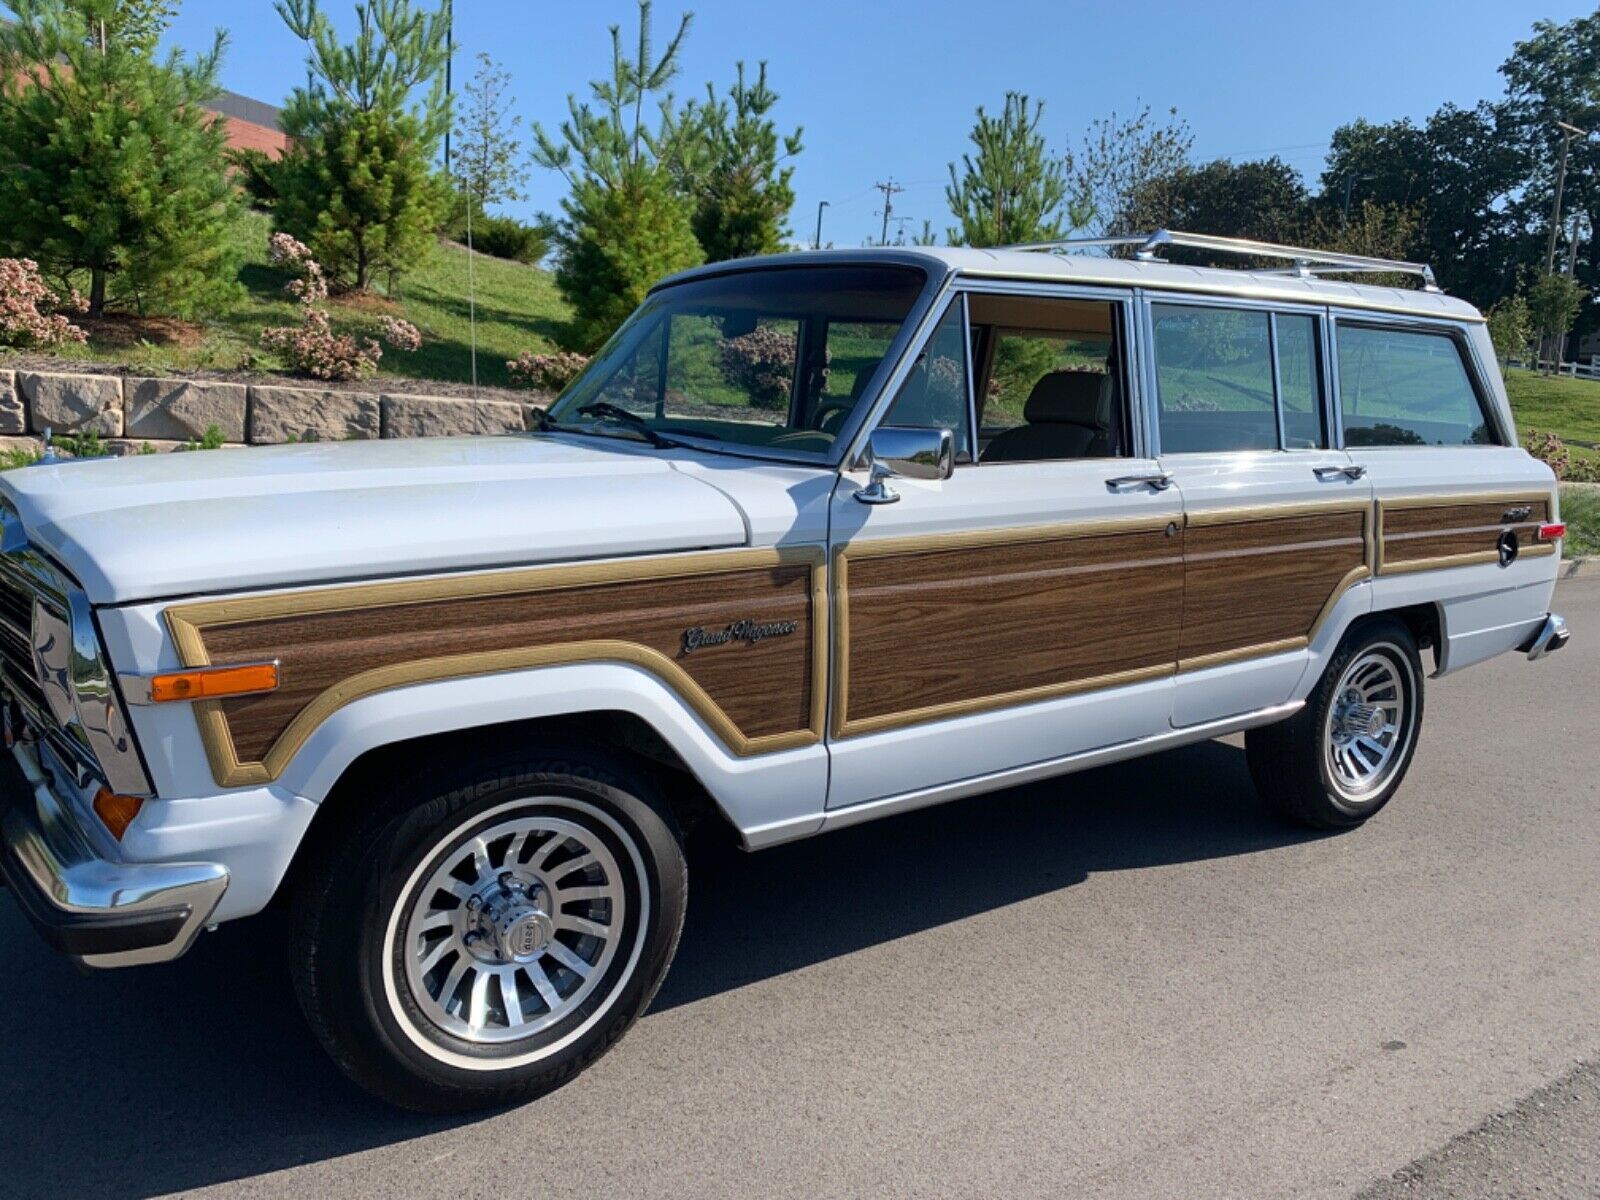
97	292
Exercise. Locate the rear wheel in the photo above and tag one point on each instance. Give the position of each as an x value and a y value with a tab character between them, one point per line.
1343	756
483	937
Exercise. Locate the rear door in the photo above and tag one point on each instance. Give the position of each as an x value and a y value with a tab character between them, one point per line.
1459	503
1277	518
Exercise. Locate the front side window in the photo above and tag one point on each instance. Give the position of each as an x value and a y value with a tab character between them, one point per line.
778	357
934	395
1407	387
1049	377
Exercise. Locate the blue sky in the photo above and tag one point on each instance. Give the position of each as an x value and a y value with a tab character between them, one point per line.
887	88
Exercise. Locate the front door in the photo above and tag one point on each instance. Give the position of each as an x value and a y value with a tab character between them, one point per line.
1028	607
1277	530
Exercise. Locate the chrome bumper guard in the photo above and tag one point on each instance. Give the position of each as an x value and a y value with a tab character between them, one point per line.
100	911
1552	636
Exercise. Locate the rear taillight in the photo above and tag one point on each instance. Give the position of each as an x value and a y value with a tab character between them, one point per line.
1552	531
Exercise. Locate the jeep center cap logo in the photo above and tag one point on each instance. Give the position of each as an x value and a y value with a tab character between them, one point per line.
746	631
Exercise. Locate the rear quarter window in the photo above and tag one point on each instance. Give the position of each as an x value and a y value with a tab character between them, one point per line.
1407	387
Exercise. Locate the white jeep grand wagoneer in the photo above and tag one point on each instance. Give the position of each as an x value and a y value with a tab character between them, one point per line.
815	539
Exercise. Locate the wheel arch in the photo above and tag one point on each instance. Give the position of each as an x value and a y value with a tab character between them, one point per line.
616	707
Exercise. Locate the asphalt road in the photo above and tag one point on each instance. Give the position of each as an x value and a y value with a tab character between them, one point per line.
1125	983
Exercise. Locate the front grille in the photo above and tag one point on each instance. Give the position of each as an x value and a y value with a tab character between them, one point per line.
21	677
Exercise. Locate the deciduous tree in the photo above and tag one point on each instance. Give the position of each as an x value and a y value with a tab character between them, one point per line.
490	162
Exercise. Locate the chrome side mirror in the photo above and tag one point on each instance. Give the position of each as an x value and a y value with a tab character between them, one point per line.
909	453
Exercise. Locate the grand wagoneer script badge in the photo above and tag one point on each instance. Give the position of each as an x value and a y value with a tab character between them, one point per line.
746	631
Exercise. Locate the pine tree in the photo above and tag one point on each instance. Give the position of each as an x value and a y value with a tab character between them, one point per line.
626	222
357	185
740	187
110	166
490	162
1014	190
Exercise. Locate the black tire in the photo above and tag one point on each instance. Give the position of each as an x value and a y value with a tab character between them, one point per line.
1291	762
351	928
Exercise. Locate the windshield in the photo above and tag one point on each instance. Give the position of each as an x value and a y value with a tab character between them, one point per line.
777	357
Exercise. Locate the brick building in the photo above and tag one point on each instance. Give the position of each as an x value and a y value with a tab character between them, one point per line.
252	124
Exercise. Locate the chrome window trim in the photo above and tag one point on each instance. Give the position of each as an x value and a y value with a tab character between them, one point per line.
852	434
1320	313
921	332
1126	299
1457	332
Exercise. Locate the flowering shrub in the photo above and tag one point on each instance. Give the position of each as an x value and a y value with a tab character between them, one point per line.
402	335
547	372
312	348
761	362
1550	449
28	308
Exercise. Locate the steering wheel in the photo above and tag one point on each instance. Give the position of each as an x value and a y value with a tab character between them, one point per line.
826	408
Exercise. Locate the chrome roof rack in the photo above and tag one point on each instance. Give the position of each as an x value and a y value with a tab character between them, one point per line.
1306	263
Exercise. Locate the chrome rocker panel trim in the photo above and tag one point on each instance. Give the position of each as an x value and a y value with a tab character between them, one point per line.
100	911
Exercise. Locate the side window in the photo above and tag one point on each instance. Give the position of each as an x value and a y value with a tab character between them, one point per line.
1300	382
1049	377
1214	379
1407	387
935	394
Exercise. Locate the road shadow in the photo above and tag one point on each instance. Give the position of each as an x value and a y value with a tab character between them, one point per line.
136	1083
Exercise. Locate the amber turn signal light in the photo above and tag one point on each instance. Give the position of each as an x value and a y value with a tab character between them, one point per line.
208	683
116	811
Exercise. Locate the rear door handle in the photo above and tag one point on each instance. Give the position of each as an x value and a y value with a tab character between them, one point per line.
1353	471
1159	481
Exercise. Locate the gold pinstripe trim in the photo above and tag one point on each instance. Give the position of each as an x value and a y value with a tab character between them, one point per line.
187	623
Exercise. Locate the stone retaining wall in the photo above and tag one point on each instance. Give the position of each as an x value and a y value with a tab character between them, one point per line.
130	413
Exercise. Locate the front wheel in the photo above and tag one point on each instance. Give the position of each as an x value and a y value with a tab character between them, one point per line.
482	938
1343	756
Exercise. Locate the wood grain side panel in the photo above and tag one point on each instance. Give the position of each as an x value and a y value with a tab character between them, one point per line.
1265	581
765	689
1414	533
936	630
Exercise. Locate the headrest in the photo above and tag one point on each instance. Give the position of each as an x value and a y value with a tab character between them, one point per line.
863	377
1070	398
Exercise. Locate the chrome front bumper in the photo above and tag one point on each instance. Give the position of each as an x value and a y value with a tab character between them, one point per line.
97	909
1552	636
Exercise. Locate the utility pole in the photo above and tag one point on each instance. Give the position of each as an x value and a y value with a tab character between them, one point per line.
1568	132
449	57
888	189
1349	182
816	243
1572	272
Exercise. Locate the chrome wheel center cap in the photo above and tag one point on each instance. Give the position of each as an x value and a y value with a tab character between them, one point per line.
1361	720
513	925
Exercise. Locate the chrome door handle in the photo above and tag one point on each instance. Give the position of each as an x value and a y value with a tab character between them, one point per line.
1353	471
1159	481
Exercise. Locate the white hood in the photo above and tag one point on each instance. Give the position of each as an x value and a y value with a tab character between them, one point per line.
224	520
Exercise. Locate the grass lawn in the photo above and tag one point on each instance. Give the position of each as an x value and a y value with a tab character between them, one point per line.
518	308
1568	408
1580	509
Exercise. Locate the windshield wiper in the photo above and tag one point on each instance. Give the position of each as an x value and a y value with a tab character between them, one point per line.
636	423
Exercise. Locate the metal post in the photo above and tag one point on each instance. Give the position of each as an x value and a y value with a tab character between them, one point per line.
816	243
449	57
